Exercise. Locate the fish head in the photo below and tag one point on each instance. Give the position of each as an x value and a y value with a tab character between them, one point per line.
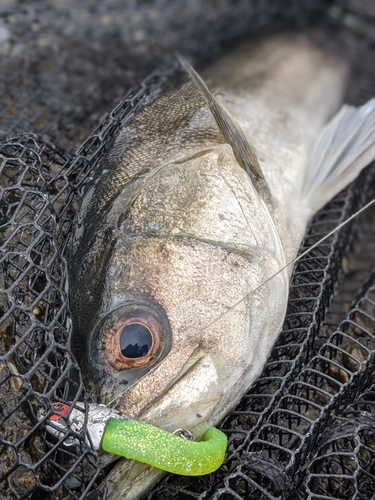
179	309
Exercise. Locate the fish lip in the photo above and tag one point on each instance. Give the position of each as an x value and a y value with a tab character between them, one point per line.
190	400
194	358
189	364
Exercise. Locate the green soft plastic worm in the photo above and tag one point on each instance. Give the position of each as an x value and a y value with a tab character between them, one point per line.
159	448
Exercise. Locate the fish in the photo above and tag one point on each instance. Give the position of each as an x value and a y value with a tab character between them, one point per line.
180	258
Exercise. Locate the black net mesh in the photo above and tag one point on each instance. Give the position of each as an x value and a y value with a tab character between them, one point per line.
306	428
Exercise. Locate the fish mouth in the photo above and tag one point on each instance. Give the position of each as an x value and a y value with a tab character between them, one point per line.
190	401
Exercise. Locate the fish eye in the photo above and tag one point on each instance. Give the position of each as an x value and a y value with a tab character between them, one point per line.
131	338
135	341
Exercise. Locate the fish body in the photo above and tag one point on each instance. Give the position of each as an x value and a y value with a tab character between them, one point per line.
178	277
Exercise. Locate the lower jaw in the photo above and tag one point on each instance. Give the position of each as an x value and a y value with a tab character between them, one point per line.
190	402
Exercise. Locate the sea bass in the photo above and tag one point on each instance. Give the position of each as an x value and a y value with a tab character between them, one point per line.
178	271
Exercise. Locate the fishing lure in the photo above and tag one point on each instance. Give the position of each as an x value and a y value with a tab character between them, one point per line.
114	433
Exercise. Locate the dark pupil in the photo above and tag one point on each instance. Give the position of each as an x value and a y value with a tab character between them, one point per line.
135	341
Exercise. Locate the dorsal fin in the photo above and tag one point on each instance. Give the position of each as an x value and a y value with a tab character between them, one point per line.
229	127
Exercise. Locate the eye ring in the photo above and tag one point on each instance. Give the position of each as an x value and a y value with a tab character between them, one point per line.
121	335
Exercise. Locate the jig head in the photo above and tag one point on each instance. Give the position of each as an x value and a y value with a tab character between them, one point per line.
115	433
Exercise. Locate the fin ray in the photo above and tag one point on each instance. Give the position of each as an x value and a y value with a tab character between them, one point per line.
345	146
228	125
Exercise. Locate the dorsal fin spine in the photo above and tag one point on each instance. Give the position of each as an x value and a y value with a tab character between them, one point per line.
228	125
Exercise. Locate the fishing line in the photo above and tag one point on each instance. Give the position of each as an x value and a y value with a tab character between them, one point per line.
293	261
296	259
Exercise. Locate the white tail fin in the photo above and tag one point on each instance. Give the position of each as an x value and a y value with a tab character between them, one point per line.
345	146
